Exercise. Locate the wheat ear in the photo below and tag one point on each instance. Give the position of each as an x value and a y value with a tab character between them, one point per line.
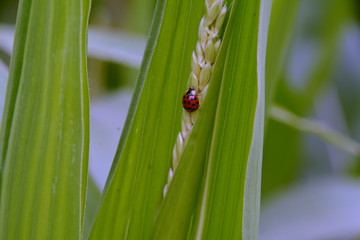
202	61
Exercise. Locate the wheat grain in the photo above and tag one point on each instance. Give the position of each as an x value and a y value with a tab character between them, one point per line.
202	61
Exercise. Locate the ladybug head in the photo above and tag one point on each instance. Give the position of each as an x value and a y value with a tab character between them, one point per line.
191	91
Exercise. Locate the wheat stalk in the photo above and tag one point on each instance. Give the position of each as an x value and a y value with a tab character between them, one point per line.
202	62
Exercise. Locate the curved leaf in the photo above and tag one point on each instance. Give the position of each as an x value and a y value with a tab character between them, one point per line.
44	133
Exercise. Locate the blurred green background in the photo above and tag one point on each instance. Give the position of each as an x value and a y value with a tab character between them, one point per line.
310	187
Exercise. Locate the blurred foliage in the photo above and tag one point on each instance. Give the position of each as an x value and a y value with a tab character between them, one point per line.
133	16
8	10
281	161
320	28
356	4
313	62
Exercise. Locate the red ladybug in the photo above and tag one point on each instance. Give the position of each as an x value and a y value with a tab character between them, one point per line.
190	100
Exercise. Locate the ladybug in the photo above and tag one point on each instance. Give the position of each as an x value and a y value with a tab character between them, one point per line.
190	100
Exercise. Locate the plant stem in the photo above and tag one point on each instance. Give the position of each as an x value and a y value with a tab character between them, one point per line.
315	127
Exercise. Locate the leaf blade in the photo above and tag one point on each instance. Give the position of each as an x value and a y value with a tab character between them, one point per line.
45	133
231	196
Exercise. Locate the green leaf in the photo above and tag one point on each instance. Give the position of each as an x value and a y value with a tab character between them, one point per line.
281	33
282	21
276	172
139	172
44	133
93	196
3	81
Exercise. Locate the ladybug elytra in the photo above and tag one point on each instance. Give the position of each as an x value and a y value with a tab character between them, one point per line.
190	100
